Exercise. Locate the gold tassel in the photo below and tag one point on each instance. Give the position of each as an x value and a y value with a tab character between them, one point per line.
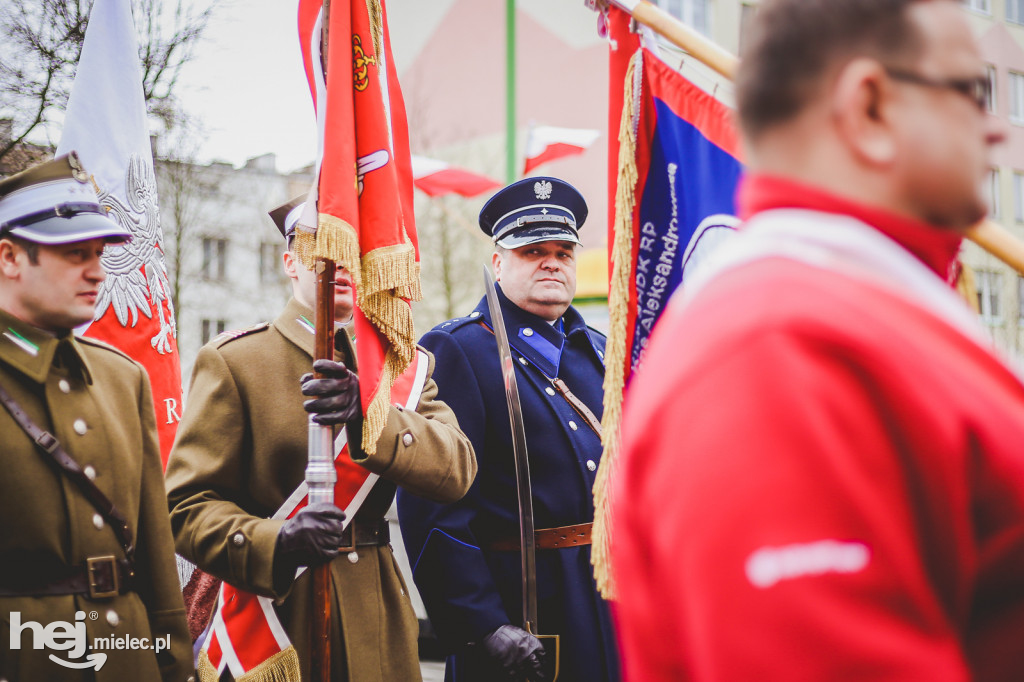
281	667
304	248
336	240
615	352
389	268
966	287
207	673
390	275
376	15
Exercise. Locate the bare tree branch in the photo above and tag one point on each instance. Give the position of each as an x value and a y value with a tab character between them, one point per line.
41	42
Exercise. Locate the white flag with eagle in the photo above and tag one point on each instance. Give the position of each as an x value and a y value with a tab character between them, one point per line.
106	123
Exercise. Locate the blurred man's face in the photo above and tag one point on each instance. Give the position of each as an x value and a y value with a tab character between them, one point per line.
945	138
304	287
539	278
58	292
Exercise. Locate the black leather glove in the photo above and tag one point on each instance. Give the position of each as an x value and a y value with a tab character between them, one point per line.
336	394
309	538
519	653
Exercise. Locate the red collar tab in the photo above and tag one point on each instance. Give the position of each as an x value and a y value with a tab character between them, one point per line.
935	247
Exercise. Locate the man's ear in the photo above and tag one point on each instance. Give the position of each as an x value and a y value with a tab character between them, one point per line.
861	109
496	264
289	264
10	266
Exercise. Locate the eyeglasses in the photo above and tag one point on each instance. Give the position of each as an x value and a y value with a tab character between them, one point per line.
977	89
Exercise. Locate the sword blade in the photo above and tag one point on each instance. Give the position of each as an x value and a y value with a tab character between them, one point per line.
527	538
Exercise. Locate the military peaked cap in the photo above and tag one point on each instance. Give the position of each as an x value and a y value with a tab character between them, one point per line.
287	215
538	209
55	203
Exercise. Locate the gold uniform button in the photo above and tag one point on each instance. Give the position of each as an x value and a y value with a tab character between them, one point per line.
64	386
80	427
238	539
113	619
407	439
97	521
89	472
572	425
549	390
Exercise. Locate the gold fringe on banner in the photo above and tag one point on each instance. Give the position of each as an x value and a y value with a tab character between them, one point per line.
615	351
393	268
304	247
336	240
376	14
281	667
390	279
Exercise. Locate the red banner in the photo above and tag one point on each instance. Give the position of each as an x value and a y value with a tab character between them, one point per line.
365	190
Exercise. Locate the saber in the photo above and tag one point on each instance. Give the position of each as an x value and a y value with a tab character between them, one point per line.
527	535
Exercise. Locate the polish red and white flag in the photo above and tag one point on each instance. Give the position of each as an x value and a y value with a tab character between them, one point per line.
437	178
544	143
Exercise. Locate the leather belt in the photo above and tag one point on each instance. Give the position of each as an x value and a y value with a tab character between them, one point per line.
361	533
101	577
549	538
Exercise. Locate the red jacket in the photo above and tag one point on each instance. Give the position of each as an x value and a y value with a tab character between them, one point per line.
824	482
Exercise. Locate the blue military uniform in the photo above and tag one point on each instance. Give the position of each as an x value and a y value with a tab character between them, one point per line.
468	588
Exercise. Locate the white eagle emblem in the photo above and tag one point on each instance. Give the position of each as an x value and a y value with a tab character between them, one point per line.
136	275
542	188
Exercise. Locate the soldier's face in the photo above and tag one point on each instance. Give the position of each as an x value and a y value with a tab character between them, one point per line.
60	290
539	278
304	287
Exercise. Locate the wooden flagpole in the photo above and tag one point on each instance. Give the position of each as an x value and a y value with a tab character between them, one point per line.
989	235
323	347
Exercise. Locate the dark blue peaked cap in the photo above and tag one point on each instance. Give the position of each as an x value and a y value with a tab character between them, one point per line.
538	209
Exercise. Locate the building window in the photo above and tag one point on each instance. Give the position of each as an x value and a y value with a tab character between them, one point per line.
211	328
270	261
215	258
694	13
1018	196
1020	300
1017	97
993	192
990	72
989	285
747	14
1015	11
979	5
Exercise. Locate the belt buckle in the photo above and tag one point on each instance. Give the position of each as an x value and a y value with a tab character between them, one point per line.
91	566
351	547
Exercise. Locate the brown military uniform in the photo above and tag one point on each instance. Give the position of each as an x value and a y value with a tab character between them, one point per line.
241	451
97	402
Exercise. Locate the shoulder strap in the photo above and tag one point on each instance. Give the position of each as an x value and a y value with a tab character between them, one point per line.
563	390
57	457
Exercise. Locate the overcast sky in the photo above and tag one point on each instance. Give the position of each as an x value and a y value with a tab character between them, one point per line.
247	87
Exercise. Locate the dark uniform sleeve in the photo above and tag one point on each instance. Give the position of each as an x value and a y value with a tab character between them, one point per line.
448	566
206	472
155	569
424	451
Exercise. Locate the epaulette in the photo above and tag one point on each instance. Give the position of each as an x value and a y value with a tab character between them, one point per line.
458	322
89	341
233	334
